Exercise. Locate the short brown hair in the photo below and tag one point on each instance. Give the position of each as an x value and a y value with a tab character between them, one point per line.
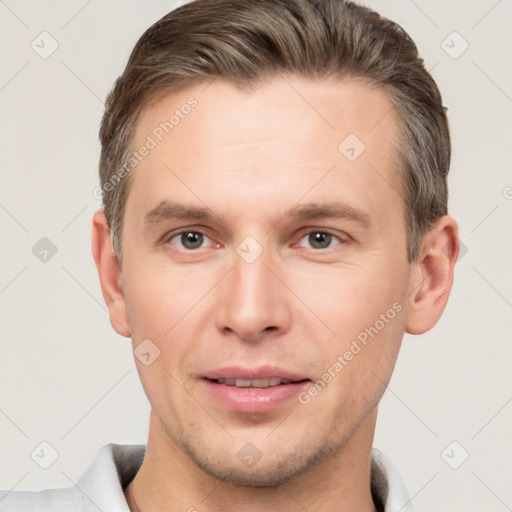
247	42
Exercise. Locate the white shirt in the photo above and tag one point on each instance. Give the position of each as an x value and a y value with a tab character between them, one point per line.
101	487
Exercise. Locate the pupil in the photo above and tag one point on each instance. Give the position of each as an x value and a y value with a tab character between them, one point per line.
320	240
192	240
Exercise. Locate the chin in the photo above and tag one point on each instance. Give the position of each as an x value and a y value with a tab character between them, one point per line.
270	470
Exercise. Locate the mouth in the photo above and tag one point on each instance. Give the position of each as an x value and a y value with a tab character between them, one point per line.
255	383
253	390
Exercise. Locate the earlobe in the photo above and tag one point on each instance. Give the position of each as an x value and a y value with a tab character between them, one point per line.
432	276
109	274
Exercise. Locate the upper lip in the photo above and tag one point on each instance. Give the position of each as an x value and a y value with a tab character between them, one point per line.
260	372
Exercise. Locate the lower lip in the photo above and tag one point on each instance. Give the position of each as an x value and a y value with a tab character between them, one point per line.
254	400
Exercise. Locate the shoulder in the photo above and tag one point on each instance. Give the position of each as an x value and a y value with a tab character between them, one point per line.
48	501
99	488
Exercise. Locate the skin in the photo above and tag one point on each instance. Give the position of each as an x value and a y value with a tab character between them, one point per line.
253	159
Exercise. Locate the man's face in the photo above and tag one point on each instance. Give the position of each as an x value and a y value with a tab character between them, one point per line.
280	255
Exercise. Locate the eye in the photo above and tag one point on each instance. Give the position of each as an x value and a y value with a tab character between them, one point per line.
189	240
318	240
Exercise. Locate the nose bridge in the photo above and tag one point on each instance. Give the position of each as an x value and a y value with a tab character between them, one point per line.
253	301
251	281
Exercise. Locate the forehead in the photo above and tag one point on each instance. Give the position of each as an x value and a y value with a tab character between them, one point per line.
283	135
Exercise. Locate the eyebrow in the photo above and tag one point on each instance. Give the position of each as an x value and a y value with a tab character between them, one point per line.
169	210
335	210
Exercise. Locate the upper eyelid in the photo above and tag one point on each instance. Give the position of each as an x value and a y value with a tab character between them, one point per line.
174	234
333	232
307	230
340	238
187	229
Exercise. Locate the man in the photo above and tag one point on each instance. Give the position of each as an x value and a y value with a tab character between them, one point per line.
275	219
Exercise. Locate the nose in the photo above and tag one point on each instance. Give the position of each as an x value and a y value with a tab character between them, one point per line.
253	303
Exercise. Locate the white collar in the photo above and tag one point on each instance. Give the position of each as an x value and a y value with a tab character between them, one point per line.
397	496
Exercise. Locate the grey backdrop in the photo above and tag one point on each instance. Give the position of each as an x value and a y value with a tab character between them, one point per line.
67	379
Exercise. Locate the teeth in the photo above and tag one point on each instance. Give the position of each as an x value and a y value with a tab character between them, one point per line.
253	383
243	383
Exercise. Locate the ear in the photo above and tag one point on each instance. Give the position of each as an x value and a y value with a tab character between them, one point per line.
109	273
432	276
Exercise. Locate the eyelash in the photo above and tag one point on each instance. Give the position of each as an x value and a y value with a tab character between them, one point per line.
304	234
324	232
184	231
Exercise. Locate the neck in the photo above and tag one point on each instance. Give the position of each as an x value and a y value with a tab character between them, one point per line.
169	481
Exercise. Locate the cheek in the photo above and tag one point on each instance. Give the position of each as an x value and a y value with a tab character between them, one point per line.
358	361
159	301
349	298
168	310
363	308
